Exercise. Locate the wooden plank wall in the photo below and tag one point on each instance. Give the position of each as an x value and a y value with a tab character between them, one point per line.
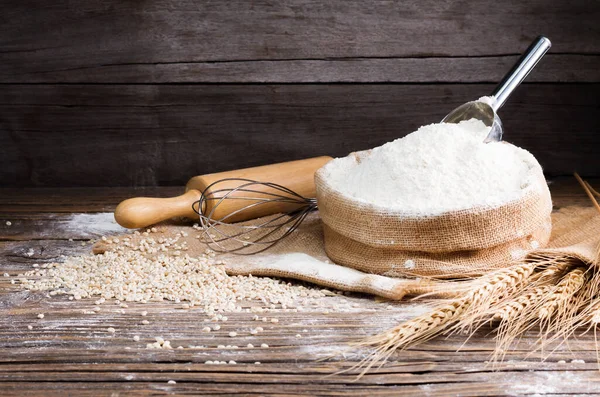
145	93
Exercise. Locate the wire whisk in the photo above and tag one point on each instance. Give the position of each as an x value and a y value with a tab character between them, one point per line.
232	199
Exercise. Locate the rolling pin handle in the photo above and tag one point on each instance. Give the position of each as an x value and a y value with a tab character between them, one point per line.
140	212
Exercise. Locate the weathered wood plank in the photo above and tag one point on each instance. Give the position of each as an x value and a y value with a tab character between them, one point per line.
334	41
586	381
563	68
32	202
444	363
540	384
71	351
164	134
58	227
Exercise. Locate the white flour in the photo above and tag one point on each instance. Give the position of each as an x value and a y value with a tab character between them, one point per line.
438	168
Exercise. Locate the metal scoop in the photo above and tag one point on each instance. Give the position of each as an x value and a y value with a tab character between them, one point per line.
486	110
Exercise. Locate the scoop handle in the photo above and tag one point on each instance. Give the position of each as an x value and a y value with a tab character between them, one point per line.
520	70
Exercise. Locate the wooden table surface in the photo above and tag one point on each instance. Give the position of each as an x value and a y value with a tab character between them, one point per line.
69	352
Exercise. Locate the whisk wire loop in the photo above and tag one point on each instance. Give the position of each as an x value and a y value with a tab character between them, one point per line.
222	235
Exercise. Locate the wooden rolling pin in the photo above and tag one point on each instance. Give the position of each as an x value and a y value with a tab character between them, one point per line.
295	175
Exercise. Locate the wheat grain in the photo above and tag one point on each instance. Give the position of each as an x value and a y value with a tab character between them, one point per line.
492	290
517	307
499	284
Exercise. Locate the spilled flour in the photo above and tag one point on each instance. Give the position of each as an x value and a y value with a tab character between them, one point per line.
94	224
438	168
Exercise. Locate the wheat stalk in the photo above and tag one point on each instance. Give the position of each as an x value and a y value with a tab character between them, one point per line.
517	316
488	290
411	332
589	191
496	287
557	301
519	306
499	284
553	305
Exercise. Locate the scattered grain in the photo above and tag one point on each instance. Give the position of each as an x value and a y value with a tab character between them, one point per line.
139	270
160	343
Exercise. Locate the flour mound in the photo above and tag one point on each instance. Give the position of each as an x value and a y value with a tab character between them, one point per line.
438	168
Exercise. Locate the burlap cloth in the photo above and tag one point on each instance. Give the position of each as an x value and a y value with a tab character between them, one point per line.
467	242
302	256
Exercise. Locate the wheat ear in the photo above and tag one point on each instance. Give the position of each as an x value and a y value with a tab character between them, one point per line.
517	316
409	333
556	303
492	289
487	290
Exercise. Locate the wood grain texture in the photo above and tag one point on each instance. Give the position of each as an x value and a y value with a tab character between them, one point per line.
561	68
70	351
113	93
293	40
70	200
147	135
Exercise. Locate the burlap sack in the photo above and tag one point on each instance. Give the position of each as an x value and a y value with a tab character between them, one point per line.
460	243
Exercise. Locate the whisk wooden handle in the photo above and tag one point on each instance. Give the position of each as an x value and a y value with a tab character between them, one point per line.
295	175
